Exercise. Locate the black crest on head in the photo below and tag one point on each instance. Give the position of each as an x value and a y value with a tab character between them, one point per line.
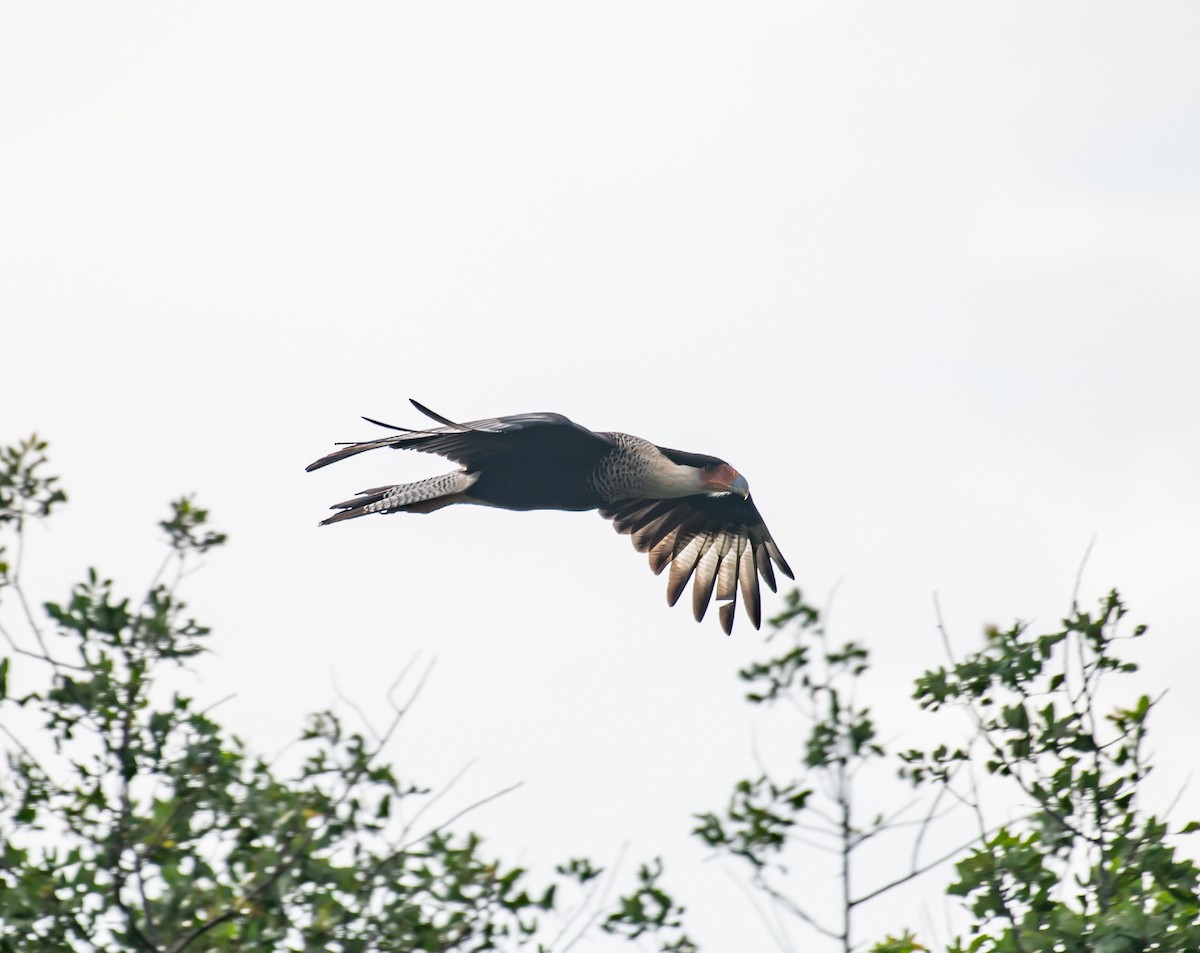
685	459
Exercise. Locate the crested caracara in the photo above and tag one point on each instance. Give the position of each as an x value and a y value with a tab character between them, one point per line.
688	510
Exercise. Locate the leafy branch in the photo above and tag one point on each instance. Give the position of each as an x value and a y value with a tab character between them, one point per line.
149	827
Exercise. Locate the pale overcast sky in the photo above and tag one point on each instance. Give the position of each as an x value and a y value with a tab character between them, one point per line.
927	274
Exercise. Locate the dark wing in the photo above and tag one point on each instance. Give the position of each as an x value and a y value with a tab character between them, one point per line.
720	539
471	443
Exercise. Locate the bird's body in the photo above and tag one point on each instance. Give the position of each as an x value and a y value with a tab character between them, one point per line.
690	510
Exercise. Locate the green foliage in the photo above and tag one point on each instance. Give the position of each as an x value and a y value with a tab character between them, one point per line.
647	909
185	528
579	869
147	826
756	823
899	944
764	816
150	827
25	492
1087	868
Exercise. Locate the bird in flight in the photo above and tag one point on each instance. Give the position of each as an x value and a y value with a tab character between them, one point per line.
687	510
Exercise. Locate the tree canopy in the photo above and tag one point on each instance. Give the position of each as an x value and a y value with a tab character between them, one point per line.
136	821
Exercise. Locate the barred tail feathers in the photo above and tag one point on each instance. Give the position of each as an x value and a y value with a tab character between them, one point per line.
424	496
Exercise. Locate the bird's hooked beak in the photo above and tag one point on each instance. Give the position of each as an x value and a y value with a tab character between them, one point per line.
725	479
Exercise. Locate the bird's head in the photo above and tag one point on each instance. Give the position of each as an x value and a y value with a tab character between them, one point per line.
722	478
709	474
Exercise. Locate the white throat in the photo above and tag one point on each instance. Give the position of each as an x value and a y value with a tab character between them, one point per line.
668	481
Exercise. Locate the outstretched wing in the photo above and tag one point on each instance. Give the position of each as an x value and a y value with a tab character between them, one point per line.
719	539
469	444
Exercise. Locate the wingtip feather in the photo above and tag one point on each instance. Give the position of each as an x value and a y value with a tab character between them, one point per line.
748	580
433	415
726	613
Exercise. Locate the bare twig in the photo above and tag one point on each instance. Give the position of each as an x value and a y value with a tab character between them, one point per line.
601	900
40	656
402	676
20	590
43	655
794	908
941	627
1178	796
220	701
589	896
1079	574
355	707
824	848
928	819
458	775
459	814
847	829
162	568
25	751
777	931
914	873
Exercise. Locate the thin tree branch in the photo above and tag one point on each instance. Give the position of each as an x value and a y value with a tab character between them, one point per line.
914	873
1079	574
25	751
928	819
454	817
437	797
1178	796
777	931
793	908
354	706
601	901
20	590
41	656
847	830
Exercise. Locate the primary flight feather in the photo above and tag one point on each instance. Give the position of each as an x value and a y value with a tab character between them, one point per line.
686	510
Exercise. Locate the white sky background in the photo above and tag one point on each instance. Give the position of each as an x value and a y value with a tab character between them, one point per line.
928	275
